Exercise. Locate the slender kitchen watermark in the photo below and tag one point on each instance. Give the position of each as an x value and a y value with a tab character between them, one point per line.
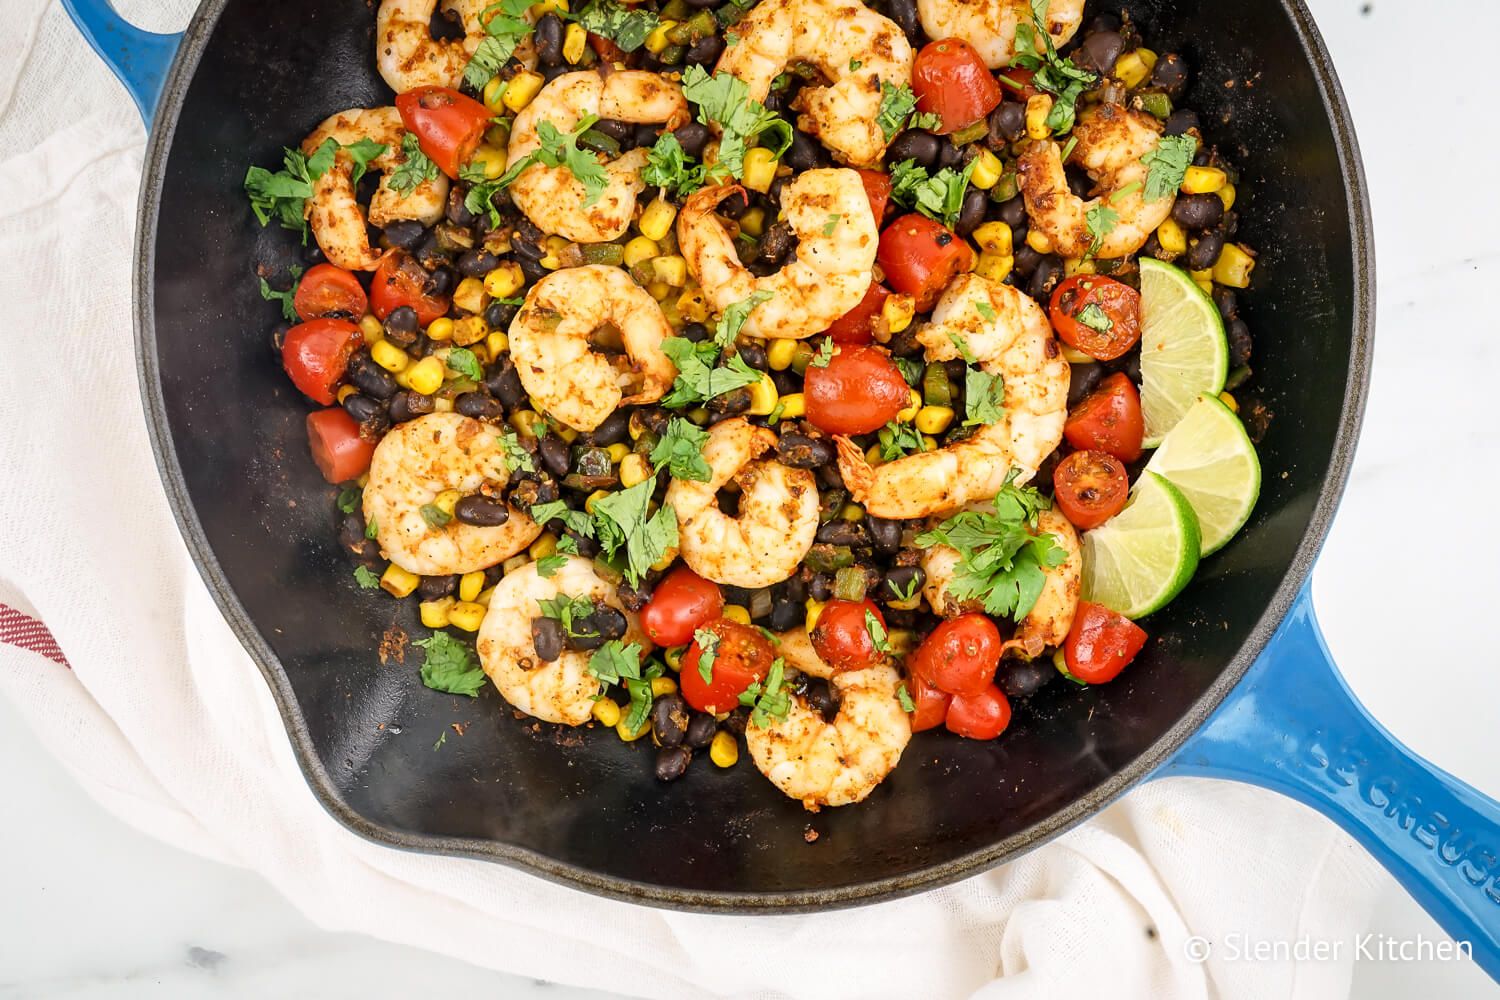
1238	946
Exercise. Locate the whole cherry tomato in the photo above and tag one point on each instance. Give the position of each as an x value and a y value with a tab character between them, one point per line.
316	353
952	82
337	449
1090	487
1101	643
920	256
1109	420
981	716
741	655
857	326
448	125
401	281
681	603
329	290
960	655
878	189
860	390
842	635
1097	315
930	704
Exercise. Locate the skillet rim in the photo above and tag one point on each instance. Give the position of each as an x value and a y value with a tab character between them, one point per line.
179	78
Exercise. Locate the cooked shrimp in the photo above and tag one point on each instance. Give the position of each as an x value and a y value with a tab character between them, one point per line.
337	221
1110	143
1009	335
778	515
990	25
552	197
939	564
417	461
562	690
830	213
1050	618
834	763
409	57
549	342
851	45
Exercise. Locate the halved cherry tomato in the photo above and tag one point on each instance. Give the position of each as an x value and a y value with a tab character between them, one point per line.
1101	643
857	326
842	635
1099	316
316	353
859	391
329	290
448	125
931	705
960	655
952	82
878	189
981	716
1016	85
606	49
337	449
1091	487
1109	420
920	256
401	281
681	603
741	657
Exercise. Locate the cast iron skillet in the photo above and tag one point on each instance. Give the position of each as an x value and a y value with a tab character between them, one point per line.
1234	682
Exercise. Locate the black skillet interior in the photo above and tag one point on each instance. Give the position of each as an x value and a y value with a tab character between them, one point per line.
582	806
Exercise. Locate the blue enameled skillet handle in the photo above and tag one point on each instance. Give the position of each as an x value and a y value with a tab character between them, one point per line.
139	58
1292	725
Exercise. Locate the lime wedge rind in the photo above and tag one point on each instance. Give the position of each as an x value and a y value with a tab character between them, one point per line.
1184	352
1141	558
1208	456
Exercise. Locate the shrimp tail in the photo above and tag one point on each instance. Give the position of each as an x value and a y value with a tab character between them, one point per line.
857	474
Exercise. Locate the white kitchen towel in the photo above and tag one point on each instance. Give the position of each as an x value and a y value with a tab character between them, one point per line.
164	719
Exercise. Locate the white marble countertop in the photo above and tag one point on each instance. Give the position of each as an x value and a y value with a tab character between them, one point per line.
93	909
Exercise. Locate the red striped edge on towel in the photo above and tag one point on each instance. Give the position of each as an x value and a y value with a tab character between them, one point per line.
26	632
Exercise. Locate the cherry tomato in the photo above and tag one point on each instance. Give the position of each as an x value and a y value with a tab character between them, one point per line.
857	326
337	449
878	189
1109	420
842	636
448	125
859	391
960	655
920	256
606	49
1099	316
401	281
981	716
931	704
742	656
1016	84
681	603
1101	643
329	290
952	82
1091	487
316	353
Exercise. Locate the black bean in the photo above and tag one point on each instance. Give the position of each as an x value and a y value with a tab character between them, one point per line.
352	537
1205	252
584	636
700	730
842	532
692	137
406	234
1227	301
1238	333
755	356
773	193
408	405
1048	272
477	263
1198	211
633	598
1079	183
971	215
904	13
547	638
505	384
532	489
435	588
480	510
803	452
778	241
608	622
1130	364
1103	22
1007	122
1171	75
820	587
670	719
497	315
1082	378
786	614
695	332
1180	121
458	211
615	428
821	699
730	403
885	534
554	452
401	326
703	4
902	582
1231	224
915	144
1026	260
361	407
368	377
441	281
430	253
1203	158
646	135
949	155
672	763
705	50
734	206
1013	213
549	39
803	154
1099	51
479	405
829	477
621	132
1023	678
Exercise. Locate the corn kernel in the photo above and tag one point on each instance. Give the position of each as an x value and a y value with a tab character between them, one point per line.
528	422
370	327
1131	69
1038	241
1172	237
593	498
504	281
345	391
673	656
815	607
1079	265
390	357
1148	57
760	169
470	330
640	248
524	86
1234	266
1038	107
470	584
996	238
934	419
659	290
897	312
779	354
544	546
1228	400
565	432
987	170
902	640
672	269
435	613
629	736
656	221
398	582
1227	195
692	306
490	160
606	711
665	561
753	222
443	404
1074	356
873	456
466	615
497	344
492	94
633	471
852	512
737	613
573	43
440	329
1203	180
483	597
402	380
662	686
724	750
793	406
427	376
542	7
445	502
763	397
912	408
995	267
657	40
469	295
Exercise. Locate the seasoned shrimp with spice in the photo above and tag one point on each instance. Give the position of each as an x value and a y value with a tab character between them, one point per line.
417	468
409	57
990	25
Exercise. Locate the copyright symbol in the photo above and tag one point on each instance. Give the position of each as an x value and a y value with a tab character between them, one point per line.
1197	949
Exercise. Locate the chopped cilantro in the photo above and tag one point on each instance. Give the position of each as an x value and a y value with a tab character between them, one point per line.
984	396
724	100
831	224
547	566
1167	164
575	521
282	195
680	451
896	105
698	378
625	27
768	699
560	149
348	499
614	661
854	64
640	698
504	31
897	440
877	632
938	196
566	611
708	651
288	310
985	309
734	318
671	169
435	516
1095	318
907	705
366	578
372	530
414	170
448	665
517	458
824	355
1058	76
1101	220
962	347
622	522
463	361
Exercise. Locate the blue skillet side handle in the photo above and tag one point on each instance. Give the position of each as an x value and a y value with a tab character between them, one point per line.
1293	726
138	58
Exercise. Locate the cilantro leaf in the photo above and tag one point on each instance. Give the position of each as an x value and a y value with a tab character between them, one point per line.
504	31
560	149
622	522
641	698
1095	318
435	516
567	610
362	152
832	223
938	196
614	661
698	380
962	347
567	545
576	521
907	705
670	168
680	451
708	652
372	530
517	458
911	370
897	440
414	170
547	566
1101	220
625	27
283	195
768	699
876	632
734	318
463	361
348	499
288	310
984	396
985	309
724	100
896	105
448	665
366	578
1167	164
824	355
1060	77
480	197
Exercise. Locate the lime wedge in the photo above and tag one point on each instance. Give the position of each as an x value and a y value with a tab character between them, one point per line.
1142	557
1183	350
1209	458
